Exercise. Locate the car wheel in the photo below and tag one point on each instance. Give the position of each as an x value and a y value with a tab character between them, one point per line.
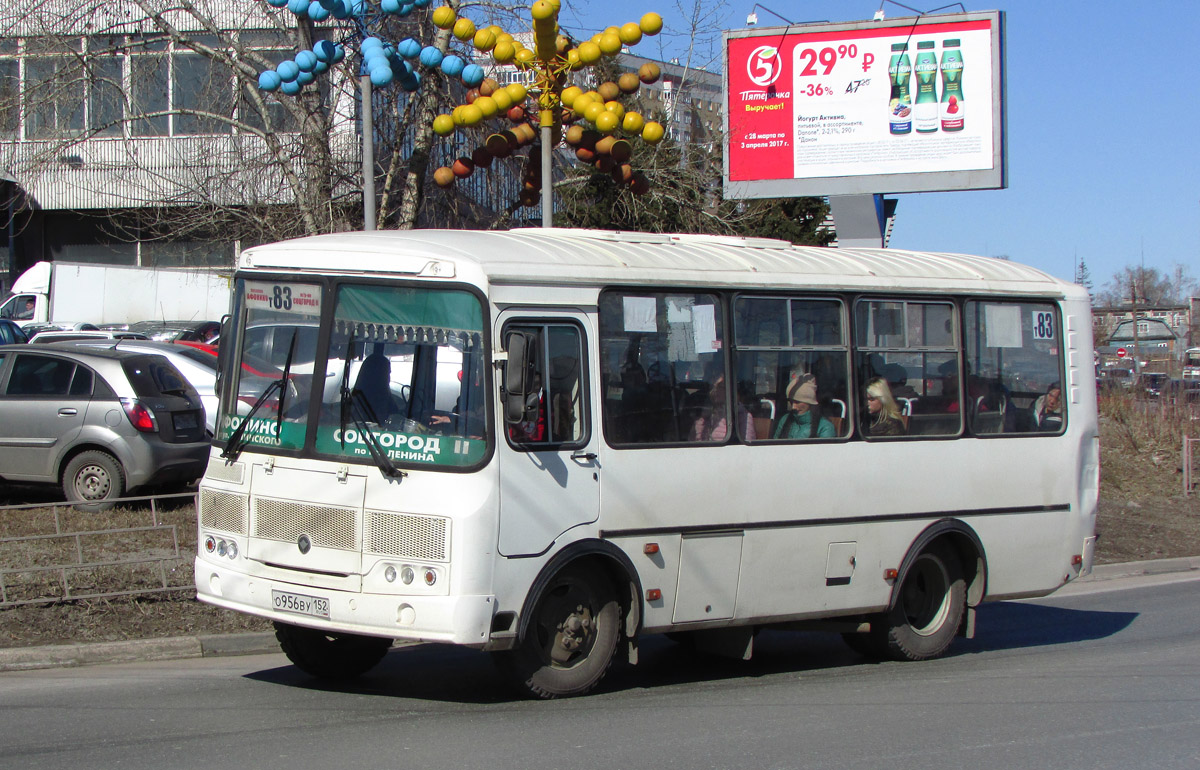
93	478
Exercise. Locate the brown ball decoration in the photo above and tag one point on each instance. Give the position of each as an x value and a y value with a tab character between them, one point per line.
463	167
585	154
488	87
481	157
443	177
621	150
609	91
574	135
649	73
629	83
497	145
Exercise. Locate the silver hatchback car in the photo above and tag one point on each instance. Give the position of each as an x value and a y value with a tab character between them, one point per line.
99	422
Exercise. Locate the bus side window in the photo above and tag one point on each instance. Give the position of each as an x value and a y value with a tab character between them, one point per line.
555	405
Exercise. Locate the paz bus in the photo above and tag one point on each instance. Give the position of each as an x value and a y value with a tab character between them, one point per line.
547	444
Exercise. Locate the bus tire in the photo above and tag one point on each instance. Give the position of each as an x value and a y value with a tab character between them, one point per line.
929	607
572	637
334	656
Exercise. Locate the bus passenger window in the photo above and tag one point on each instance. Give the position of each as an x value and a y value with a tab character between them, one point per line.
1014	351
792	361
660	357
909	350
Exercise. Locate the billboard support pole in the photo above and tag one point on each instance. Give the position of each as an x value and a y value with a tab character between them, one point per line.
859	220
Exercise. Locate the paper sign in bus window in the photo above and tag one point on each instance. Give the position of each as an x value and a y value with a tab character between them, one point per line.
640	314
704	327
1003	325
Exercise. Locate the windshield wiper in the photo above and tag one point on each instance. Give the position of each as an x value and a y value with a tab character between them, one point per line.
283	381
344	403
378	455
237	442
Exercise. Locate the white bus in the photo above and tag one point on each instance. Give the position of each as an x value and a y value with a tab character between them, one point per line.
643	433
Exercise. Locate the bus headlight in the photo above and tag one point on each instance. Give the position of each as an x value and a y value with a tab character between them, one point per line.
389	574
407	575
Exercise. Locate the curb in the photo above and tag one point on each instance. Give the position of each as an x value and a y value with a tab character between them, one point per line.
225	645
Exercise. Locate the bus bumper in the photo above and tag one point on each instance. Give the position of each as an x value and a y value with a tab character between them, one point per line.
464	620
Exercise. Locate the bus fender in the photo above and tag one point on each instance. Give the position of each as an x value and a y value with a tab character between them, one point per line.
970	549
614	563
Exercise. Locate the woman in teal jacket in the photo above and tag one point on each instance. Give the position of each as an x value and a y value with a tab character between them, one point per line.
804	419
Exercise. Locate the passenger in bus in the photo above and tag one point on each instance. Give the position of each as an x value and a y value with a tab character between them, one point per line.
804	419
884	418
712	425
1047	409
373	386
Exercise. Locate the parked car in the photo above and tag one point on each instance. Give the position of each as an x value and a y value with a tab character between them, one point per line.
46	337
171	331
1151	384
11	334
100	422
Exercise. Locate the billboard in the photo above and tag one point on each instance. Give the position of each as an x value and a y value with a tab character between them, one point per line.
903	105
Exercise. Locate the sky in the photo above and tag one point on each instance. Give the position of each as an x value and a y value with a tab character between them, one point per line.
1102	118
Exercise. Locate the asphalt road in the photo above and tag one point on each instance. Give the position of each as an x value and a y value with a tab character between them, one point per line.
1103	676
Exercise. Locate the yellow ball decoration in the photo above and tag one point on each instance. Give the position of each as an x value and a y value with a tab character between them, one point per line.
502	99
611	30
651	24
606	122
632	123
443	125
456	115
471	114
443	17
652	132
570	93
610	43
589	52
503	52
615	108
593	111
573	60
464	29
631	34
542	9
484	40
517	91
524	57
487	105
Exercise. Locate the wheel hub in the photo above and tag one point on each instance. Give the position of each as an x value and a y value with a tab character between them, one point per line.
93	482
573	635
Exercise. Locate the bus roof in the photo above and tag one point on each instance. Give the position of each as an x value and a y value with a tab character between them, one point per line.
558	256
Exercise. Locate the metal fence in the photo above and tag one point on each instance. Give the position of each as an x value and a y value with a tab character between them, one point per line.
1189	464
54	552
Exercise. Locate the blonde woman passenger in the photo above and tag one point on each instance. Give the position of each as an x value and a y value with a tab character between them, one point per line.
883	413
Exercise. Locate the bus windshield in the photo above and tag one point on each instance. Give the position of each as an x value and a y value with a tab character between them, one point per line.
402	381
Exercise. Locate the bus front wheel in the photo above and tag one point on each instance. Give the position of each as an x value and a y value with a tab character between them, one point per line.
330	656
572	636
930	607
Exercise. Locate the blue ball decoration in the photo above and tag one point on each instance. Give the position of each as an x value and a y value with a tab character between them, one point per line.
277	3
321	68
390	6
304	78
291	88
306	60
298	7
317	12
406	9
339	53
328	4
288	70
472	75
421	3
269	80
324	50
381	76
412	82
408	48
453	65
341	9
430	56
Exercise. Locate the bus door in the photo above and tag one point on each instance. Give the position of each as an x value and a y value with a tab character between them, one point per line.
549	454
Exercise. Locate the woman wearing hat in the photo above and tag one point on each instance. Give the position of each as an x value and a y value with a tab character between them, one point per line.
804	419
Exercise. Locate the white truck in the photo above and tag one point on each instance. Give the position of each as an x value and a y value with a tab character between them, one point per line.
70	292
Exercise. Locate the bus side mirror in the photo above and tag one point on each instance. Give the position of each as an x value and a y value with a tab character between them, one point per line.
516	384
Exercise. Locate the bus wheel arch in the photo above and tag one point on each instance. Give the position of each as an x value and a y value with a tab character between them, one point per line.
584	603
965	543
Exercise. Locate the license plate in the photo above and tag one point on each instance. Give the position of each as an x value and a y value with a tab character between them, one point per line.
300	604
186	421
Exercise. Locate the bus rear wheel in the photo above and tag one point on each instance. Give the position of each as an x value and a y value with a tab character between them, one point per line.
572	637
330	655
929	609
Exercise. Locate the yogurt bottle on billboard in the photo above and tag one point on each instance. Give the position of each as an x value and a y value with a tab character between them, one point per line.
952	107
925	105
900	102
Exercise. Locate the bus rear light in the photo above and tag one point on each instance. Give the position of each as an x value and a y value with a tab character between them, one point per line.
653	595
891	574
650	549
139	416
1077	560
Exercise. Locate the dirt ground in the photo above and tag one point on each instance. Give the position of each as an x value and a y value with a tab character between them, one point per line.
1143	515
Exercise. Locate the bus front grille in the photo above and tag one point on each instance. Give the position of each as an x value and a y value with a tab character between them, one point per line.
223	511
325	526
423	538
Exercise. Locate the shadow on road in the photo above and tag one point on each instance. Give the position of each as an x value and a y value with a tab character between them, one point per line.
445	673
